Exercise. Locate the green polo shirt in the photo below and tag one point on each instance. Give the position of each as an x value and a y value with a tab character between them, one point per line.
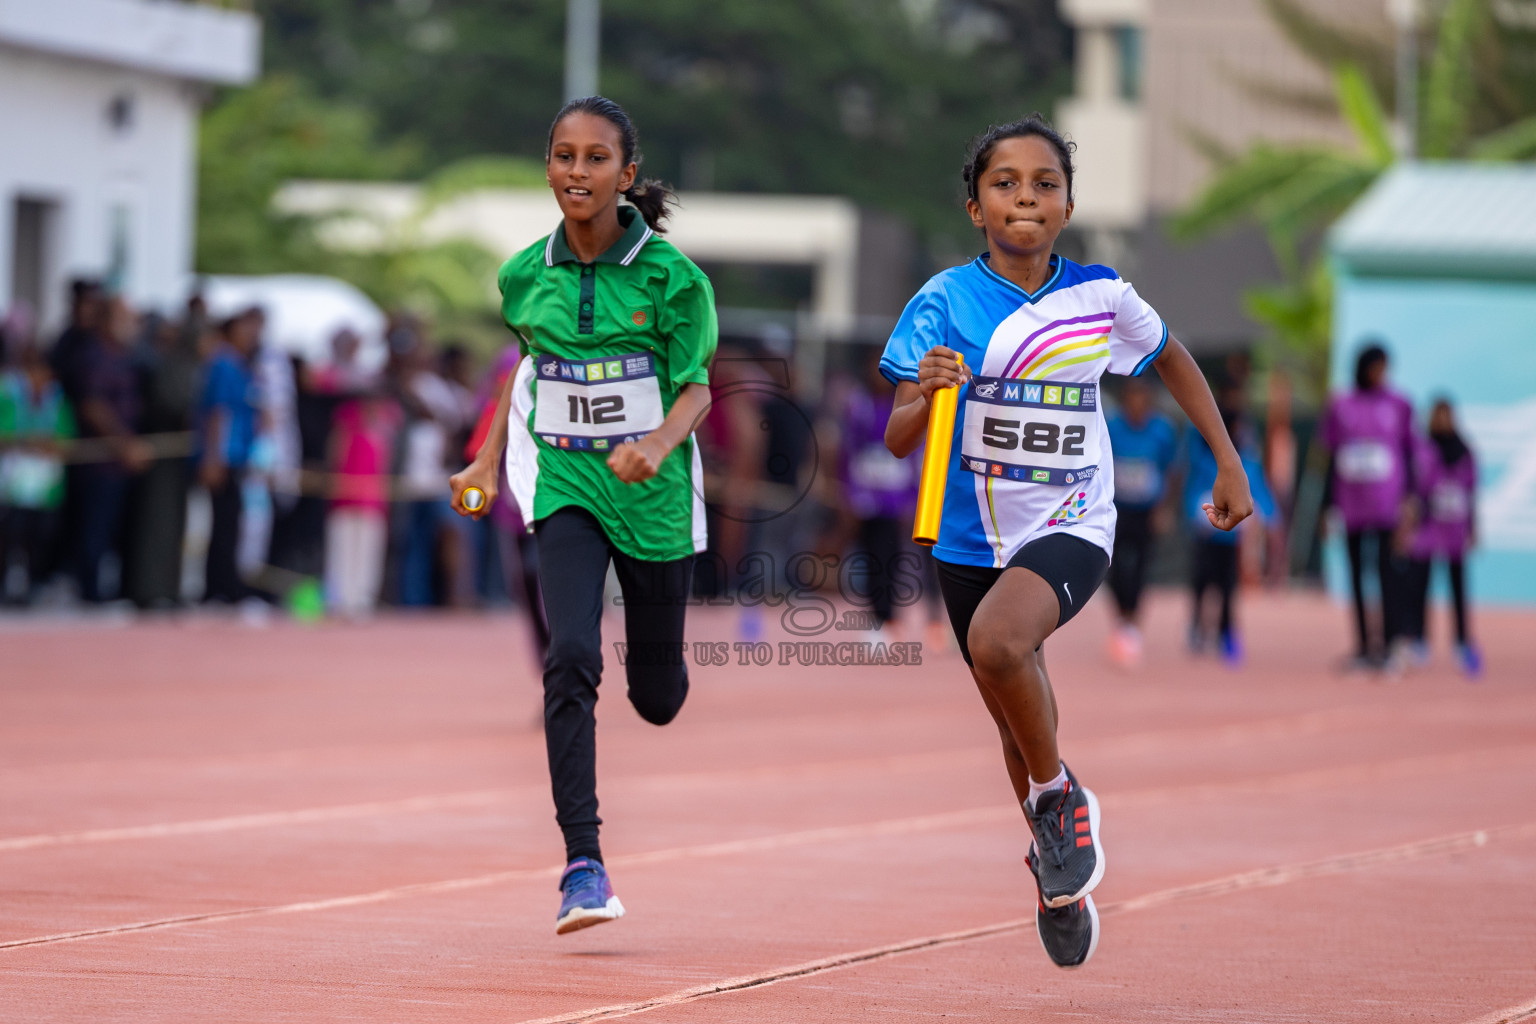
641	296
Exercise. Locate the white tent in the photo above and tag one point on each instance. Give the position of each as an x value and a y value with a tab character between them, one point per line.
303	312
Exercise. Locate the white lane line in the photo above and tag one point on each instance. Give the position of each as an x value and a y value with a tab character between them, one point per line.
411	805
1509	1015
1489	759
234	823
1274	876
777	841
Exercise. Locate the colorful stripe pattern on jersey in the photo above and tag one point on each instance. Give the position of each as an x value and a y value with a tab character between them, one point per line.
611	344
1030	453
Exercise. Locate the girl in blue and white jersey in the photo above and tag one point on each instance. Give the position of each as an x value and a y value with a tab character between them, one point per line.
1029	516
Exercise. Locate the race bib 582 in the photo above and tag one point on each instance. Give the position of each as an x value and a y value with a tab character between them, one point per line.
596	404
1034	431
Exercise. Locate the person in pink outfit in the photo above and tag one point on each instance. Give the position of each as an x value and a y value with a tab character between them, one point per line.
357	526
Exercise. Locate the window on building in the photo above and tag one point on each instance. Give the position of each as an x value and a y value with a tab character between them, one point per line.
1128	45
31	251
119	249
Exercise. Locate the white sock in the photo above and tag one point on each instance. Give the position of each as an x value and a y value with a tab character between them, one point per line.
1036	788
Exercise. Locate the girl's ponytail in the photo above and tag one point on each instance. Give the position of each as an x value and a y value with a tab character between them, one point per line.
652	198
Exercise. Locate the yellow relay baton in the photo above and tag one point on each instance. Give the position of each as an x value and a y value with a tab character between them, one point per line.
930	491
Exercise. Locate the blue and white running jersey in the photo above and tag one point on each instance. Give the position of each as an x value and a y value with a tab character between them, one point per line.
1030	453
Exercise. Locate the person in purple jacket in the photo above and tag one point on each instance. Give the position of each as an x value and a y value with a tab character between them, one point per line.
879	489
1447	490
1369	434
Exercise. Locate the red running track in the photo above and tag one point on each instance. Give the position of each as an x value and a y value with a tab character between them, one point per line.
204	821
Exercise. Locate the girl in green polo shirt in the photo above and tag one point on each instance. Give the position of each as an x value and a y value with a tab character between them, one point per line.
617	330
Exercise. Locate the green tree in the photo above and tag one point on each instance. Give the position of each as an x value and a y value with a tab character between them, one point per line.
255	140
1478	102
251	142
873	99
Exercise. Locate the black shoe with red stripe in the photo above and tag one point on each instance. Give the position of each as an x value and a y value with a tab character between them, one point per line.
1066	827
1069	934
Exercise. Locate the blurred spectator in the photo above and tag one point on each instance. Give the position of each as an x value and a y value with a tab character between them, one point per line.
1215	561
357	526
783	525
433	416
1145	446
1369	434
87	307
226	433
110	408
1280	460
298	543
18	333
1447	490
878	489
277	380
167	367
730	442
464	541
35	421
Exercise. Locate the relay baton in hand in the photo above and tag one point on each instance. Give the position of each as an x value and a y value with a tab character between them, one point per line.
930	492
472	498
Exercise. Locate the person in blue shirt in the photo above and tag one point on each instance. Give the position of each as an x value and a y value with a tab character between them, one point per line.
1215	554
1145	446
226	432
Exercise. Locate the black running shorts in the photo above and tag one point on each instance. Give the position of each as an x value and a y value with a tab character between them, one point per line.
1072	566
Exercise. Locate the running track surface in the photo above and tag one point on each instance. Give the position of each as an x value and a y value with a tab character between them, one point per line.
205	821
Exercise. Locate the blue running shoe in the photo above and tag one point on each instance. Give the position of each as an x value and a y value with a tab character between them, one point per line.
1231	649
1471	661
588	897
1069	934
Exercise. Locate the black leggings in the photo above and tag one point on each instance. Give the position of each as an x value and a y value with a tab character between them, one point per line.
1391	573
1133	550
1215	566
1417	605
880	536
574	553
221	572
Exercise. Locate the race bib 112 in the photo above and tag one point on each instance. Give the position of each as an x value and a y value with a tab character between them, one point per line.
596	404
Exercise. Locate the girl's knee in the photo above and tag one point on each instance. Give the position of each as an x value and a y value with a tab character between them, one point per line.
997	655
581	656
658	700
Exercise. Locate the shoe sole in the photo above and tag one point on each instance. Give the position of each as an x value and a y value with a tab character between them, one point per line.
1098	856
1093	941
586	917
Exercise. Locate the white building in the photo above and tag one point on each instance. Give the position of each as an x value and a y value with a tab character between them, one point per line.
1153	78
99	101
